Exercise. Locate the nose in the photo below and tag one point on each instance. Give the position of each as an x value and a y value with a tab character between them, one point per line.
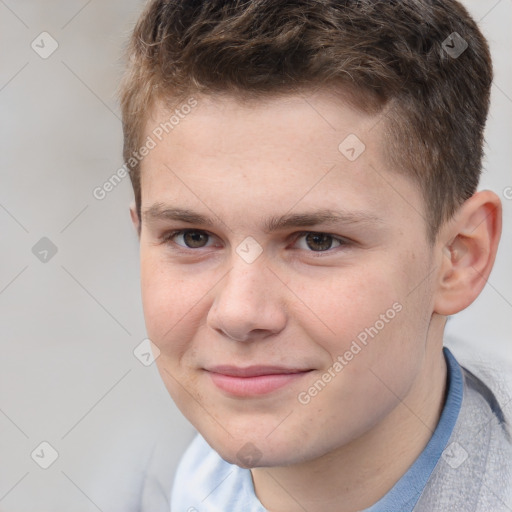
249	303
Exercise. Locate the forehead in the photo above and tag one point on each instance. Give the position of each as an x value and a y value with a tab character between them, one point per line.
313	149
222	124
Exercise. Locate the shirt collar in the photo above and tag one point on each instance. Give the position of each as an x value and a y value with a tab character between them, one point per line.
406	492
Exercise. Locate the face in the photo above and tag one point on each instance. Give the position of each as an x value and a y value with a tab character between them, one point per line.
284	274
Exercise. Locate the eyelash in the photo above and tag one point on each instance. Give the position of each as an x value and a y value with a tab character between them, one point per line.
168	239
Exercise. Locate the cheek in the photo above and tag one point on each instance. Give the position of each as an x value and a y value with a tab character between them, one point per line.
371	320
173	304
174	307
343	307
393	341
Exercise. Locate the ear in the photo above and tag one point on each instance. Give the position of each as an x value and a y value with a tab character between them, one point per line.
469	243
135	218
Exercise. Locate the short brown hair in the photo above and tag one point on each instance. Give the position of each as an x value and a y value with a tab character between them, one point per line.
394	56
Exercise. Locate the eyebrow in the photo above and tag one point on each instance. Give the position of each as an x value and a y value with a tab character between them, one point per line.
159	211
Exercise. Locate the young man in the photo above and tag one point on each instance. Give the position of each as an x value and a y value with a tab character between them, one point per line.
305	178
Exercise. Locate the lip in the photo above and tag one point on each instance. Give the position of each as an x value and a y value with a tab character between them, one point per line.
253	380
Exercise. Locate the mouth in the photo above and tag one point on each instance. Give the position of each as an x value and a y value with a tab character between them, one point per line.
254	380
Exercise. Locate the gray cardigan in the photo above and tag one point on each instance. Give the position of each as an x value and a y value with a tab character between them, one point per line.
475	472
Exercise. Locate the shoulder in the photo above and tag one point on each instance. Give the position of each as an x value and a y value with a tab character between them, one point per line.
475	471
207	483
488	391
488	431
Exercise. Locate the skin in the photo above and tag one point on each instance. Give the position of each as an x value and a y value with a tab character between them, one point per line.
205	305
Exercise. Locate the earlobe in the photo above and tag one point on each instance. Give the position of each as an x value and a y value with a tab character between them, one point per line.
135	218
469	250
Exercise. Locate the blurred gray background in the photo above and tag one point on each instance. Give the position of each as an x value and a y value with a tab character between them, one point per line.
71	319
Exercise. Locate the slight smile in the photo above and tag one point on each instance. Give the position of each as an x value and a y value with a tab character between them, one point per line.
253	380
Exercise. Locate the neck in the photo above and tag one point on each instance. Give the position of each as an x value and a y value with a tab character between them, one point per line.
357	475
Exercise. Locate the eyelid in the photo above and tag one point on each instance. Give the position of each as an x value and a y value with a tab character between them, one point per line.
339	238
168	237
344	242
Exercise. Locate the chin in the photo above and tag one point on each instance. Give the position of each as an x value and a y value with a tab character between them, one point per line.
252	455
251	450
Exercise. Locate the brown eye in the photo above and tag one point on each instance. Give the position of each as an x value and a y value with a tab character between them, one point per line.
318	242
191	239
